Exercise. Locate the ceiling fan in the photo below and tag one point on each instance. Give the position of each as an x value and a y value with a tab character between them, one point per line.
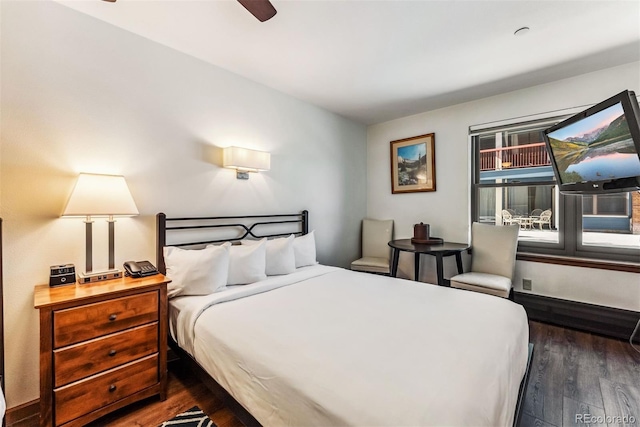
261	9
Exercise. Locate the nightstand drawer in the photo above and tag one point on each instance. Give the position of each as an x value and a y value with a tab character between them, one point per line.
78	324
80	398
86	359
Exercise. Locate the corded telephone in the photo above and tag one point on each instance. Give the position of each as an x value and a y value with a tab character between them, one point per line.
139	268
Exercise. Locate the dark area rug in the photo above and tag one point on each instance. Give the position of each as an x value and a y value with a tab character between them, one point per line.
194	417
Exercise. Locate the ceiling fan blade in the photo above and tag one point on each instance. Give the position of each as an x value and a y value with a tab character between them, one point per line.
261	9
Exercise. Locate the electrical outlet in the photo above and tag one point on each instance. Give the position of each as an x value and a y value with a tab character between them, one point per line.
526	284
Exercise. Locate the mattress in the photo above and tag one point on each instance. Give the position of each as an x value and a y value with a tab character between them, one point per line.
328	346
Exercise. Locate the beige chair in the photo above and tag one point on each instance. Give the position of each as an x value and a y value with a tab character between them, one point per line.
376	252
493	260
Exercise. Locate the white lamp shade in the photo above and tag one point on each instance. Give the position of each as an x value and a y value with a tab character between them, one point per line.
245	159
100	195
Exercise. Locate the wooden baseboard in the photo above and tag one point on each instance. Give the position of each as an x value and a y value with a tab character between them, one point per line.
613	322
22	412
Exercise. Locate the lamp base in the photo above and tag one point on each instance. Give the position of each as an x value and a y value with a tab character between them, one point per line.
84	278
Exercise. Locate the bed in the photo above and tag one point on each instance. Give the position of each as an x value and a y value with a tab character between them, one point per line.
328	346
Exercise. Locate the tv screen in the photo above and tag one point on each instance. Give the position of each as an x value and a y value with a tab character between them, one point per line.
597	149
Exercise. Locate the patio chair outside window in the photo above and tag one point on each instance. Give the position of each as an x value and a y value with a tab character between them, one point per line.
545	218
508	218
535	213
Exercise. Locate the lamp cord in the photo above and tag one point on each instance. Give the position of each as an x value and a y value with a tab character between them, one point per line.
632	335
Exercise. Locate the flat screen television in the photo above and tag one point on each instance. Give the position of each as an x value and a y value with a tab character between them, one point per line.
596	151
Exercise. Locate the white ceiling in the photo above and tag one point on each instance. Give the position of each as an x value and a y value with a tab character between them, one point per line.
374	61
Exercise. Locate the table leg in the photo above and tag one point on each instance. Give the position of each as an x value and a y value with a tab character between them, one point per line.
416	268
459	262
439	268
394	263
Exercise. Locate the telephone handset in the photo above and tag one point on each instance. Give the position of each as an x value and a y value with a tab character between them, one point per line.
139	268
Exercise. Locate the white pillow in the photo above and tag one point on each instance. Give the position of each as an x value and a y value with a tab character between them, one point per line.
304	249
196	272
247	264
280	256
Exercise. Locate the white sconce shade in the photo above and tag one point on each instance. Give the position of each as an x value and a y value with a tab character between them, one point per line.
246	160
100	195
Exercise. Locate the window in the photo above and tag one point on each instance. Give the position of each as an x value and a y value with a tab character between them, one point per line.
608	220
513	183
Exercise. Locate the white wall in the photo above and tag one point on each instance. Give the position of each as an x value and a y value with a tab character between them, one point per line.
448	209
79	95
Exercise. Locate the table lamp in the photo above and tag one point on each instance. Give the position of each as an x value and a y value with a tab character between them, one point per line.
100	196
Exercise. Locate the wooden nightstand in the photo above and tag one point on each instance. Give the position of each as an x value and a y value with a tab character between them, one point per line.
102	347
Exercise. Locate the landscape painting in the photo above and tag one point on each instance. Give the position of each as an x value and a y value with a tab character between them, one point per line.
413	164
596	148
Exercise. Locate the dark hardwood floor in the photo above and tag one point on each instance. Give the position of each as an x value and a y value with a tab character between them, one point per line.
581	379
577	379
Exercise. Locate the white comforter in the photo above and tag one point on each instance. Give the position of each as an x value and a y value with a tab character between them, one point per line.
326	346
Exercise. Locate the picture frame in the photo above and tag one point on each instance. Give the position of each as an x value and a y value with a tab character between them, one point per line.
413	164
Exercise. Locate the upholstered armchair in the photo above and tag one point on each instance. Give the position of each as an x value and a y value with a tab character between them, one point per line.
376	253
493	260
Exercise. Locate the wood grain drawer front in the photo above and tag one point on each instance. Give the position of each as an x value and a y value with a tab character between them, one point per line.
86	359
73	325
80	398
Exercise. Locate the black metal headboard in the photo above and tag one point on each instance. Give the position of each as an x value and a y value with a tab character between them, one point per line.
193	229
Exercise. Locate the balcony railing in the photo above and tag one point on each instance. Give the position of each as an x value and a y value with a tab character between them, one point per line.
519	156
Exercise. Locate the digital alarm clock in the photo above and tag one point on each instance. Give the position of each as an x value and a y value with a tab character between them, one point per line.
62	274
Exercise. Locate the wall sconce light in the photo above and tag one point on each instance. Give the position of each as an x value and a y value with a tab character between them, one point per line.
102	196
245	161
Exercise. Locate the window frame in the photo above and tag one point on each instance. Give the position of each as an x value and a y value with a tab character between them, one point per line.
569	217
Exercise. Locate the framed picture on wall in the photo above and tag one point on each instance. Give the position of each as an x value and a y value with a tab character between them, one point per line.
413	164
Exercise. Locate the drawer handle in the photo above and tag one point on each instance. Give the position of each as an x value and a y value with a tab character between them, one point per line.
112	353
112	388
113	317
